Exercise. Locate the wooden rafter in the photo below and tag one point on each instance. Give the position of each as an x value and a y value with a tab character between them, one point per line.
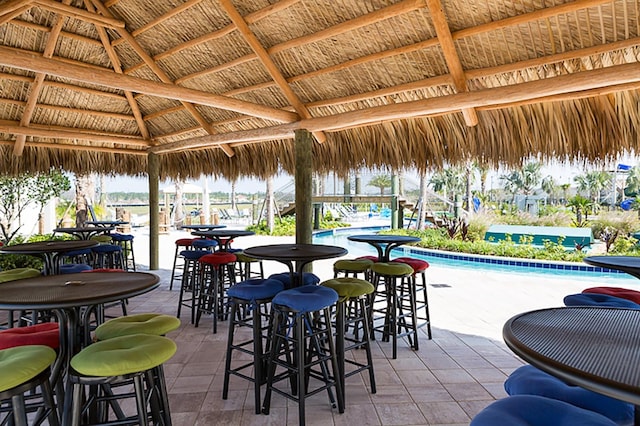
268	63
117	67
11	6
82	14
63	34
73	147
450	55
506	95
10	15
36	63
36	86
64	109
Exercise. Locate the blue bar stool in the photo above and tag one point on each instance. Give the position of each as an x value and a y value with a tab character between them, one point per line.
178	268
190	283
303	347
125	241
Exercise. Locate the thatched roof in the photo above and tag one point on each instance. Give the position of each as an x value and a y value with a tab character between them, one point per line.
219	86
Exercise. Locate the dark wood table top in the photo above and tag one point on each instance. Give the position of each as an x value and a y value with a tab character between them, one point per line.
628	264
203	227
295	252
48	247
384	243
73	290
595	348
223	233
107	222
85	233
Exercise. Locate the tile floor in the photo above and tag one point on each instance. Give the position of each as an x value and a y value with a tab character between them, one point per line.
446	382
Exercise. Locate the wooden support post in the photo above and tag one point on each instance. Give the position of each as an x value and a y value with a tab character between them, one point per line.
394	201
153	169
304	185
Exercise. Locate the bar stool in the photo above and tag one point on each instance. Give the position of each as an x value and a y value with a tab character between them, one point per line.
252	296
73	268
107	256
102	239
352	310
306	352
78	256
23	369
394	300
190	282
204	244
243	263
125	241
217	274
353	268
308	278
181	244
422	301
18	274
113	361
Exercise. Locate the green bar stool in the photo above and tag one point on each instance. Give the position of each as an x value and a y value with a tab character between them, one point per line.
113	361
395	303
244	262
352	309
353	268
23	369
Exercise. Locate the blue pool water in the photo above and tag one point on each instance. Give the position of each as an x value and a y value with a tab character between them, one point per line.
338	237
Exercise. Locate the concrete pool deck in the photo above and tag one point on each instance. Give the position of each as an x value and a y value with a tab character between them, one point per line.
447	381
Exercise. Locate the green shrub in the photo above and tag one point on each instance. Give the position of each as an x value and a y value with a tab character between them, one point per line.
286	226
625	222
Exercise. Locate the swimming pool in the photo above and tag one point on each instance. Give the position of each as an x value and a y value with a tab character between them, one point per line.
574	270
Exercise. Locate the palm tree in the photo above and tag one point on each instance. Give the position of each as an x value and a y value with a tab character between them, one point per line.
524	180
632	184
549	186
565	191
449	181
593	183
381	182
580	206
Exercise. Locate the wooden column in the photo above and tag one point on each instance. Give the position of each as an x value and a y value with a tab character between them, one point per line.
153	169
304	188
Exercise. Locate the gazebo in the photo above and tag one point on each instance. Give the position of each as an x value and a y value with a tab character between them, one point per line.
253	88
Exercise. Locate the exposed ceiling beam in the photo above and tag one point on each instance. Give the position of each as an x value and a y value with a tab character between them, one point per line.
451	55
36	63
72	147
64	109
586	80
268	63
36	86
4	18
82	14
13	5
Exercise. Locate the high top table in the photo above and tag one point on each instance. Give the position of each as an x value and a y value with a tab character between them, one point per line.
628	264
223	236
203	227
85	233
48	251
384	243
301	254
595	348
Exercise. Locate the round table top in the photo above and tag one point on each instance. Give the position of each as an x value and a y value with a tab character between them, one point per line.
203	227
72	290
48	246
295	252
103	223
383	239
595	348
223	233
614	262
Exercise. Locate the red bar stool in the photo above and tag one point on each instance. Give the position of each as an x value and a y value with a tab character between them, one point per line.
422	301
178	269
217	273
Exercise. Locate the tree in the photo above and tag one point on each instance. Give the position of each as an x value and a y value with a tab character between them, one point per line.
549	186
381	182
632	184
450	181
43	187
581	206
565	191
593	183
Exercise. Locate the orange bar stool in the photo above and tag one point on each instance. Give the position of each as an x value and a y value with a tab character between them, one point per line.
217	275
422	300
394	303
178	268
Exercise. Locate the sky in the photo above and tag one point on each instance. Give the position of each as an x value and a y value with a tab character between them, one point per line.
562	173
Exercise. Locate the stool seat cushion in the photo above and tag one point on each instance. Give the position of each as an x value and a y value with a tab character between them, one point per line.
204	242
23	363
218	258
308	298
602	300
624	293
417	264
102	238
244	258
73	268
374	259
394	269
308	278
529	380
533	410
352	265
80	252
193	254
185	242
255	289
151	323
123	355
348	287
18	274
106	248
46	334
122	237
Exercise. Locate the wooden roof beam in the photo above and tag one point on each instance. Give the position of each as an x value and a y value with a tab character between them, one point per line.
63	109
82	14
585	80
451	56
59	132
36	86
6	17
65	34
73	147
28	61
11	6
117	67
268	63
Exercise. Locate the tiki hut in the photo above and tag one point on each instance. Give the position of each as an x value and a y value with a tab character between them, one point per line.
221	87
